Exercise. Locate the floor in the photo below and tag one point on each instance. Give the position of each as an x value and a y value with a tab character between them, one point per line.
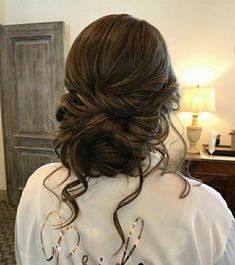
7	220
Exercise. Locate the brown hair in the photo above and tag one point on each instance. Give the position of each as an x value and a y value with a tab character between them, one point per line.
121	89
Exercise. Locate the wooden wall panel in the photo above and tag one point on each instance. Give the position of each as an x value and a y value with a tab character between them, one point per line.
32	70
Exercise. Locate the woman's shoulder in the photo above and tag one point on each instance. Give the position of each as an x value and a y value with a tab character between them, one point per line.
40	189
203	194
44	171
201	199
35	185
209	199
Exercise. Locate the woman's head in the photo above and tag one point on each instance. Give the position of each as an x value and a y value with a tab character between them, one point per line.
120	91
121	86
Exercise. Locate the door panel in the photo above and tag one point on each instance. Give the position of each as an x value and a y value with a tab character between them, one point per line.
32	67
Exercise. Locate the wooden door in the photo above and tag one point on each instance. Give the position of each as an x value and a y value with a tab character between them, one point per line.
32	67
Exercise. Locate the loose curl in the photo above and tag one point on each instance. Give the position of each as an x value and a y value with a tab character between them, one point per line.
121	89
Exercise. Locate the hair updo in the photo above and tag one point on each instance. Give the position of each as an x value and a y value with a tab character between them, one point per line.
120	89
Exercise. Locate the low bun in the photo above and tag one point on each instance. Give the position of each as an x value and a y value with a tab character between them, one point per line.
111	145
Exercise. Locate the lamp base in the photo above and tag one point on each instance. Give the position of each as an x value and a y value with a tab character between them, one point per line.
193	134
193	149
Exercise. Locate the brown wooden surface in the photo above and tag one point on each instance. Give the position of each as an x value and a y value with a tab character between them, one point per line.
219	174
32	67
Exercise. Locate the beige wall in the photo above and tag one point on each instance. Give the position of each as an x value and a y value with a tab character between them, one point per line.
200	35
2	11
2	171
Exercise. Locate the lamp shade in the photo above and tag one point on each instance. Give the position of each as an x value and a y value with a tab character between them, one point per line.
197	99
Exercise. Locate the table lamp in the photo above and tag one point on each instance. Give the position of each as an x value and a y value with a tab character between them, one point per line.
196	100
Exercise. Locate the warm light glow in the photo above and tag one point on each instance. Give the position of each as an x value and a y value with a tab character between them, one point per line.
209	120
205	119
200	70
198	76
197	99
185	118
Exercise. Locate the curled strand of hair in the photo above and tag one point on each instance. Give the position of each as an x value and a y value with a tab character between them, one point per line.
71	202
49	189
124	202
181	169
187	186
180	138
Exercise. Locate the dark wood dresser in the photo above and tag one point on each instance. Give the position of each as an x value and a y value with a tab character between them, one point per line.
219	174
